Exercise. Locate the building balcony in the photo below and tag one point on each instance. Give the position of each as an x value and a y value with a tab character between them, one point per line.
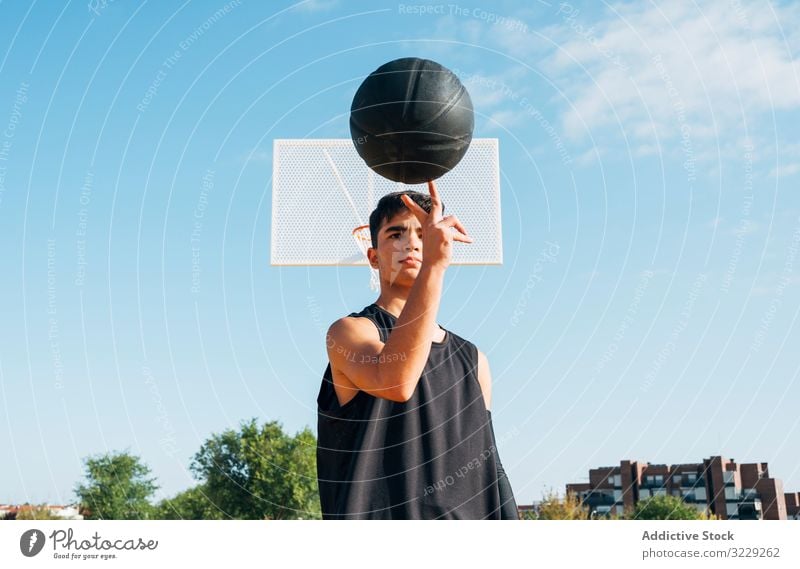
595	499
750	511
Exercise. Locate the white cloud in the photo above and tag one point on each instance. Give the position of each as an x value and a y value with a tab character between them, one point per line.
775	284
791	150
785	170
694	81
748	228
490	90
646	150
676	68
590	157
508	119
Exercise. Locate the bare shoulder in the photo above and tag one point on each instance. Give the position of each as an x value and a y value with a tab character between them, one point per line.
483	368
350	329
485	378
353	344
352	340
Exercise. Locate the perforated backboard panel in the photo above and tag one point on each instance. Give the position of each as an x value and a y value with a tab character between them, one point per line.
322	190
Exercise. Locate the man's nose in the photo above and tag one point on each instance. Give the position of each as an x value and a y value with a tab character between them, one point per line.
413	242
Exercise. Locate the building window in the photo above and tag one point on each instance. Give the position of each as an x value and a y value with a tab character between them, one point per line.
749	494
731	493
732	509
644	493
728	476
691	477
700	494
618	495
617	480
676	479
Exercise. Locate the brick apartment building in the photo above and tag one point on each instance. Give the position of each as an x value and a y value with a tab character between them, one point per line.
717	485
793	506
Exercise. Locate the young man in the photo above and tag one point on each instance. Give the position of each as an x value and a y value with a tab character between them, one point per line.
404	426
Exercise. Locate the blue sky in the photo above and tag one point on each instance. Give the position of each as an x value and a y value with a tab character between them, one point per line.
648	299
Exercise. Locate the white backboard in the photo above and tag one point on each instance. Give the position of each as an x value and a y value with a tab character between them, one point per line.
322	190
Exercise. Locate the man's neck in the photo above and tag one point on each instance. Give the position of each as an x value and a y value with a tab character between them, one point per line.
393	300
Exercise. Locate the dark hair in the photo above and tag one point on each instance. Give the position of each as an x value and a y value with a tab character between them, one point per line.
390	205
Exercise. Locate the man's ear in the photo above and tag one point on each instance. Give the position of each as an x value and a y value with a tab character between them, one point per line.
372	255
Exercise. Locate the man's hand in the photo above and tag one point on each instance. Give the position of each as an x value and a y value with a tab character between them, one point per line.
437	235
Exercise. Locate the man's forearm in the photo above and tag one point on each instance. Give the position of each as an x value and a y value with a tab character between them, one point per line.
412	334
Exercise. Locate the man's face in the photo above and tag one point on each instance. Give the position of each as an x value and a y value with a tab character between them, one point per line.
398	256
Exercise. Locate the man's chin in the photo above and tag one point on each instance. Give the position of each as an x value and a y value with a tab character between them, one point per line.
404	276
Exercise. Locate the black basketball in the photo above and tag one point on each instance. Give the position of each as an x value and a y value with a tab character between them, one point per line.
411	120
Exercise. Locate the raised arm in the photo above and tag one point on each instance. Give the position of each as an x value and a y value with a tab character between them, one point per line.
392	370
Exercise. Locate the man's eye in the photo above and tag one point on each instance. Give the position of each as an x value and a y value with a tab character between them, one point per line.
393	235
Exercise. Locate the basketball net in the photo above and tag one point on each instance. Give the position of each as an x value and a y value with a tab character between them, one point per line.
364	241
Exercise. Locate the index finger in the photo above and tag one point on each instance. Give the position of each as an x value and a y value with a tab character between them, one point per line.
436	202
418	212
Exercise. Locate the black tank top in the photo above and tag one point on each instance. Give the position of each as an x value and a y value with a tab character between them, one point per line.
427	458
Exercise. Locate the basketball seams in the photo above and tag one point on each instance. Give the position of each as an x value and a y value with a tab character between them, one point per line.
453	102
412	86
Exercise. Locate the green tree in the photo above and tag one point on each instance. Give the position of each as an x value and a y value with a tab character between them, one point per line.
553	507
191	504
260	473
117	487
665	508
